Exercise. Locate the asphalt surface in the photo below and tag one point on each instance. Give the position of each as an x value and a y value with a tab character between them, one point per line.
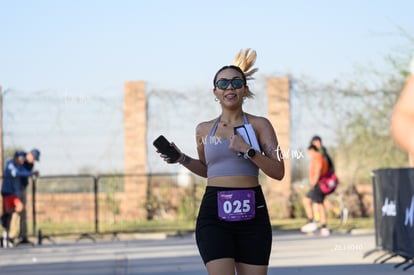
292	253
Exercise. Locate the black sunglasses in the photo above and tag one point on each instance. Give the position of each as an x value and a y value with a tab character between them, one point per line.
224	83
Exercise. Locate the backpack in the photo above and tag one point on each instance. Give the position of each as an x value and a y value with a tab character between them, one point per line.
328	159
328	182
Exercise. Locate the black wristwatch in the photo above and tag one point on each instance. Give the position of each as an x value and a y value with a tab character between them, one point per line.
250	153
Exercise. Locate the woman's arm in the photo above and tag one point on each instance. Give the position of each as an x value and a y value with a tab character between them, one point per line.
269	160
402	121
197	166
23	172
315	167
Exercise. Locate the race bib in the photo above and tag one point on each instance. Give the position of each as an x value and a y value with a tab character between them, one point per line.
236	205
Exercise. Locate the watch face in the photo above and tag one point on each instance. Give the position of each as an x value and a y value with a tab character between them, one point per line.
251	152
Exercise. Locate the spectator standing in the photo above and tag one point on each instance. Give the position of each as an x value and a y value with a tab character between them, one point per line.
317	141
314	199
29	160
342	212
10	191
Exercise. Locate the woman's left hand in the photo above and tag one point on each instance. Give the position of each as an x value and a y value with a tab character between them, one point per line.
238	144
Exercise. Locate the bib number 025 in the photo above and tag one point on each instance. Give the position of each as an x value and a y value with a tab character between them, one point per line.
236	205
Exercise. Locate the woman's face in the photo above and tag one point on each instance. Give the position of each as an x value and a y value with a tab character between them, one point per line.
317	143
229	88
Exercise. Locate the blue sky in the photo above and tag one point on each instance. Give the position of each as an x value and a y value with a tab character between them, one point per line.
83	45
79	51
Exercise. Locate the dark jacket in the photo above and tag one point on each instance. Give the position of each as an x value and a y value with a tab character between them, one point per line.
24	181
12	178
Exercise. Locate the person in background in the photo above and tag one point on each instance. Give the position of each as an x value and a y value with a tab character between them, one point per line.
233	230
318	166
29	160
317	141
10	191
402	120
342	212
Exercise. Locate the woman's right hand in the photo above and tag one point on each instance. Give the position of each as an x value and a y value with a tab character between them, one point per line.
167	159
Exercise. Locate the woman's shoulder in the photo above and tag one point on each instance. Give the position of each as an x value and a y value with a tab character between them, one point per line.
205	126
258	120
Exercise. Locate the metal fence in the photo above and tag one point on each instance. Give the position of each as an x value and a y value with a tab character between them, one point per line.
109	203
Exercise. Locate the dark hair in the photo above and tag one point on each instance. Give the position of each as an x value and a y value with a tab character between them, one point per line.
229	67
236	68
313	147
314	138
17	154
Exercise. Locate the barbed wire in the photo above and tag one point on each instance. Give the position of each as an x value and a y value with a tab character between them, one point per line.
78	132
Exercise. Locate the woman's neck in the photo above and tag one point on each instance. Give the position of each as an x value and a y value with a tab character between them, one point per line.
231	118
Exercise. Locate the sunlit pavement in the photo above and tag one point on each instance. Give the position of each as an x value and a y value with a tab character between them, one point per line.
293	253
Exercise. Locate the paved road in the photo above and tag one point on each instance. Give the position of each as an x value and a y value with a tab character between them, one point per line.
293	253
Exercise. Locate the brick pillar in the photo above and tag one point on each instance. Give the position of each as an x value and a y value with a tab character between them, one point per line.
278	192
135	125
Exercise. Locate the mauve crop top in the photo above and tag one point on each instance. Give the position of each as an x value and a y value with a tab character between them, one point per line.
221	161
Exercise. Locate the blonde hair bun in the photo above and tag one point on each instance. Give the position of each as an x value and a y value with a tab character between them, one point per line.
245	60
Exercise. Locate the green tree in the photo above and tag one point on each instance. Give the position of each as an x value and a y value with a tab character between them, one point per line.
359	113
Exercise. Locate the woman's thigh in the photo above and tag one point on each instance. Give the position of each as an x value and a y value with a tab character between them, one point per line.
223	266
246	269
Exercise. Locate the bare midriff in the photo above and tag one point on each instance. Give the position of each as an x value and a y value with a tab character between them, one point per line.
233	181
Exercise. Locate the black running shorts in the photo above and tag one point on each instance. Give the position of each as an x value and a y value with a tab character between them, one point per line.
247	242
316	195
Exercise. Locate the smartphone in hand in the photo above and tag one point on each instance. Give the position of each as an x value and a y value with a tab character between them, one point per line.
165	148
